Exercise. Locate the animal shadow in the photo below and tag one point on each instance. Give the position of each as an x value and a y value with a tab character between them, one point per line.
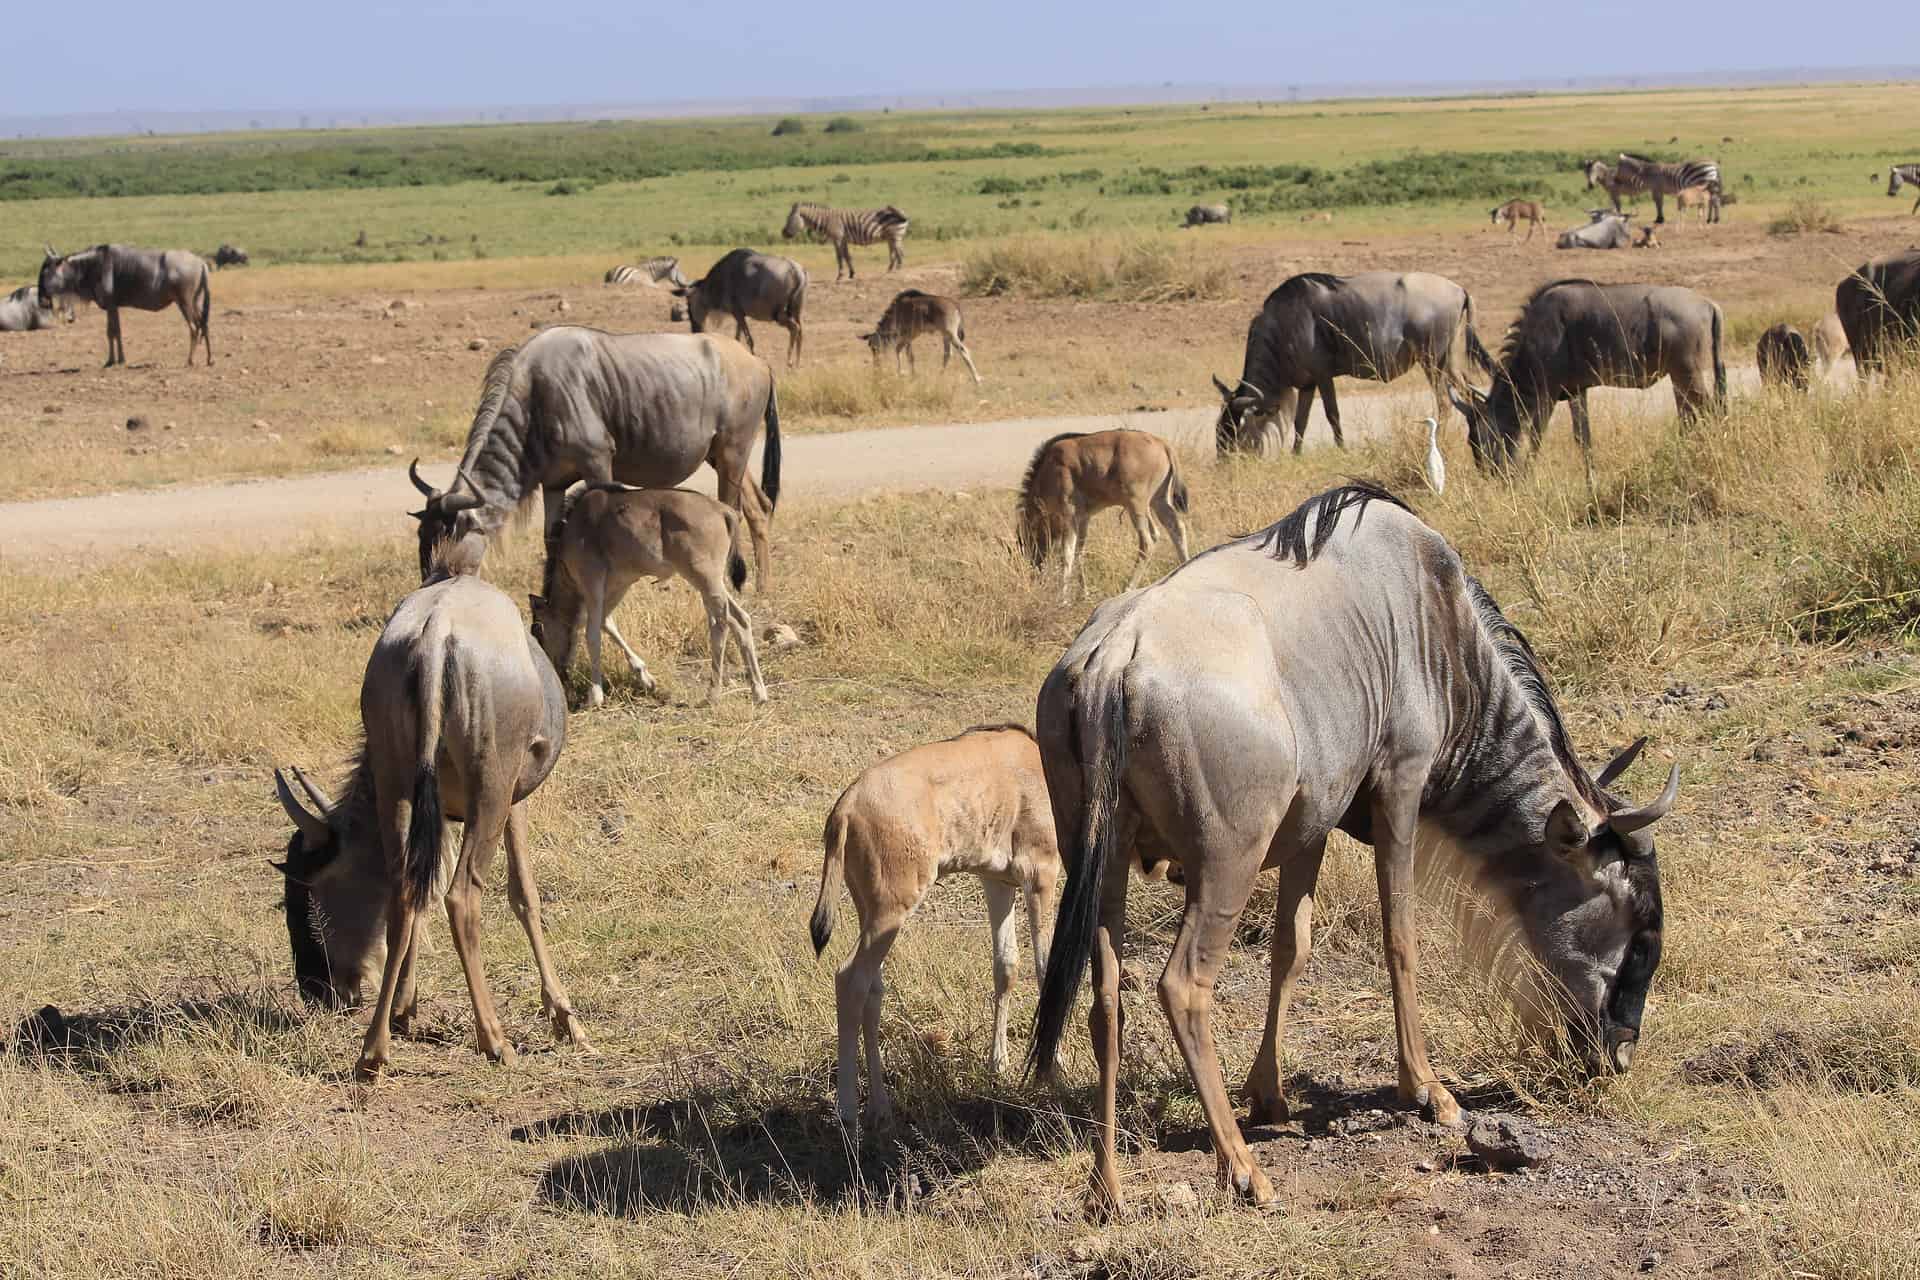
85	1041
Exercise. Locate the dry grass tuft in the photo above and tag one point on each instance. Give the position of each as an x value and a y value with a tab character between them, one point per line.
1804	214
1137	268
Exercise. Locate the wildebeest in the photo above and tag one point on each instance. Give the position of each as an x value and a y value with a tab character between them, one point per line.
1576	334
112	276
1783	358
976	804
844	227
1317	327
1513	211
1829	341
912	314
229	256
1075	476
1350	674
1202	214
612	536
748	285
1607	232
21	311
1879	308
573	403
1697	198
464	718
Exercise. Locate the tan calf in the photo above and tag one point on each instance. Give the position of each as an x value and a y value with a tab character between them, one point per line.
1697	199
976	804
611	536
1073	477
913	314
1513	211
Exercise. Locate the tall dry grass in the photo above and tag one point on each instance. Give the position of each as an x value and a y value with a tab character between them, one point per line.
1135	267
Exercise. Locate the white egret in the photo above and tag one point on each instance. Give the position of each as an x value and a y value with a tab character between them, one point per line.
1436	463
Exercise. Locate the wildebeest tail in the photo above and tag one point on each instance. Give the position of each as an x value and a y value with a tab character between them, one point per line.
1176	484
1100	750
1476	350
1719	364
736	563
832	875
424	827
770	458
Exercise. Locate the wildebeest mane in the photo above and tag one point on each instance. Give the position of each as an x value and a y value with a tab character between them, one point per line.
1035	537
1518	657
1287	538
1293	285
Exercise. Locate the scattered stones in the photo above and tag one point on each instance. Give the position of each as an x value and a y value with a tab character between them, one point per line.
396	450
1651	1261
1508	1142
1178	1199
783	638
137	422
563	306
476	344
260	424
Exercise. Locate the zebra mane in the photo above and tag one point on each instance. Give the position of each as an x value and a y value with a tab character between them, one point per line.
1287	538
1518	657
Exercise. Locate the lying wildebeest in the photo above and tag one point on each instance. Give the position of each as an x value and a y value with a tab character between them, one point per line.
1075	476
112	276
1576	334
1606	232
229	256
1879	308
21	311
1317	327
1350	674
1513	211
1202	214
1829	341
578	404
748	285
1783	358
611	536
912	314
976	803
464	719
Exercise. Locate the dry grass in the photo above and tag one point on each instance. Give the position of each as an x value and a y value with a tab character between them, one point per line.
1134	268
1804	213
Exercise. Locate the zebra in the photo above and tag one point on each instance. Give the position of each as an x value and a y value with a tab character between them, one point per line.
650	272
1603	175
1907	173
1637	173
849	226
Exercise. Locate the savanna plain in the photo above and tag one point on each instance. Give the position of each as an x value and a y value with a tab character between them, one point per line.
1744	592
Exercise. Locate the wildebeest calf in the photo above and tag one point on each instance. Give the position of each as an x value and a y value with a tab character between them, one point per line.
21	312
1513	211
912	314
1202	214
1075	476
1783	358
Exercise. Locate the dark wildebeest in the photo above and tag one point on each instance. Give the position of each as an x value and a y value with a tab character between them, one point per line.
1576	334
112	276
1879	308
1317	327
1606	232
913	314
229	256
573	403
1350	674
464	718
748	285
1202	214
1783	358
21	312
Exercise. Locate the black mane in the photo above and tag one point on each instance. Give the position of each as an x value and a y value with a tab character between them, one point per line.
1510	345
1033	463
1511	644
1287	538
1299	283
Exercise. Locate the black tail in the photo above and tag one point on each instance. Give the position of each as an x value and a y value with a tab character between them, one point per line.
1086	872
736	569
427	690
423	837
1177	485
1719	366
1476	350
770	460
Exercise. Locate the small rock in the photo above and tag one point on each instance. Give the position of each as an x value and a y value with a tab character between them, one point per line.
1179	1198
1651	1261
1507	1142
476	344
273	437
1765	752
1087	1250
376	360
1715	702
50	408
260	424
563	306
533	324
1423	1166
137	422
395	450
782	638
167	426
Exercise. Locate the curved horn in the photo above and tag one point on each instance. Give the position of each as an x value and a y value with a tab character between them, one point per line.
315	792
452	503
1626	821
313	830
1226	392
1258	393
413	474
1619	764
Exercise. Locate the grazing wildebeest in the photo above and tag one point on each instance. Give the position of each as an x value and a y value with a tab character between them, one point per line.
1829	341
21	312
1350	674
977	804
1513	211
1907	173
1202	214
912	314
229	256
1879	308
612	536
1075	476
464	718
1317	327
112	276
1606	232
748	285
843	227
1576	334
573	403
650	272
1783	358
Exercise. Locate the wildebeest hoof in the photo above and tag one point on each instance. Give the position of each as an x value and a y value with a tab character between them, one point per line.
760	696
567	1027
597	697
1267	1111
502	1055
1438	1105
369	1069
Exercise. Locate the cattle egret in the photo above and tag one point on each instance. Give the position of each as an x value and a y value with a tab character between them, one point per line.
1436	464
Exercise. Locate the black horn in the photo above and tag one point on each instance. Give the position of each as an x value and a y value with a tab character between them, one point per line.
413	474
1627	821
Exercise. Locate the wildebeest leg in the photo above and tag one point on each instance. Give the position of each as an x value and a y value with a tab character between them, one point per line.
1103	1027
1076	569
376	1049
1292	944
1395	818
525	897
956	344
486	818
740	331
1217	889
857	994
714	597
553	508
742	627
795	336
406	1000
1583	432
1006	961
597	614
1144	531
193	330
116	350
634	662
1333	411
1169	517
913	365
750	500
1300	415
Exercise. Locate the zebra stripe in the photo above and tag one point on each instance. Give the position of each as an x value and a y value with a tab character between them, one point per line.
1635	174
1907	173
845	227
650	272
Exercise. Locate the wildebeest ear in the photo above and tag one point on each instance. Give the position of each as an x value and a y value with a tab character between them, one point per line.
536	603
281	867
1619	764
1226	392
418	515
1567	831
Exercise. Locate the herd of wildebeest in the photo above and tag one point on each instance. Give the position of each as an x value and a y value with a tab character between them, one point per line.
1340	669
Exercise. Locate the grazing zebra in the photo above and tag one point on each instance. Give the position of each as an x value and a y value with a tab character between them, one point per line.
849	226
1635	174
1907	173
650	272
1602	175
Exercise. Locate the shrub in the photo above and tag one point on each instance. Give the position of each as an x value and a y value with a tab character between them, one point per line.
843	124
1804	214
788	126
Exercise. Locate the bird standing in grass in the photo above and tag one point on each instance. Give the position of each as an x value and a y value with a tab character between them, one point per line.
1436	463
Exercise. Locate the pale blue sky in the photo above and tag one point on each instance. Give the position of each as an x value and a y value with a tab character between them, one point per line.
202	55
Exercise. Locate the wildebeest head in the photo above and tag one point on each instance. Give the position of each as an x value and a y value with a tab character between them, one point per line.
1493	423
796	225
333	933
447	516
53	278
697	304
1245	414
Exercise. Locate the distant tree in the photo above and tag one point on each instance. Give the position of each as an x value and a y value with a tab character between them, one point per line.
789	125
844	124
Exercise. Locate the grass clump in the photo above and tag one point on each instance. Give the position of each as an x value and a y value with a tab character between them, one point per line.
789	126
1123	269
843	124
1804	214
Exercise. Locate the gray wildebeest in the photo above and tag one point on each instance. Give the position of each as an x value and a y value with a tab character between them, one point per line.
1608	231
1575	334
1879	309
751	286
230	256
1783	358
1352	675
1514	211
1075	476
464	718
913	314
613	535
1201	215
573	403
974	804
21	312
112	276
1317	327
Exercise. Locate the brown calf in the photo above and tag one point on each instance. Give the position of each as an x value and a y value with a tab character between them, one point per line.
1074	476
1513	211
913	314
